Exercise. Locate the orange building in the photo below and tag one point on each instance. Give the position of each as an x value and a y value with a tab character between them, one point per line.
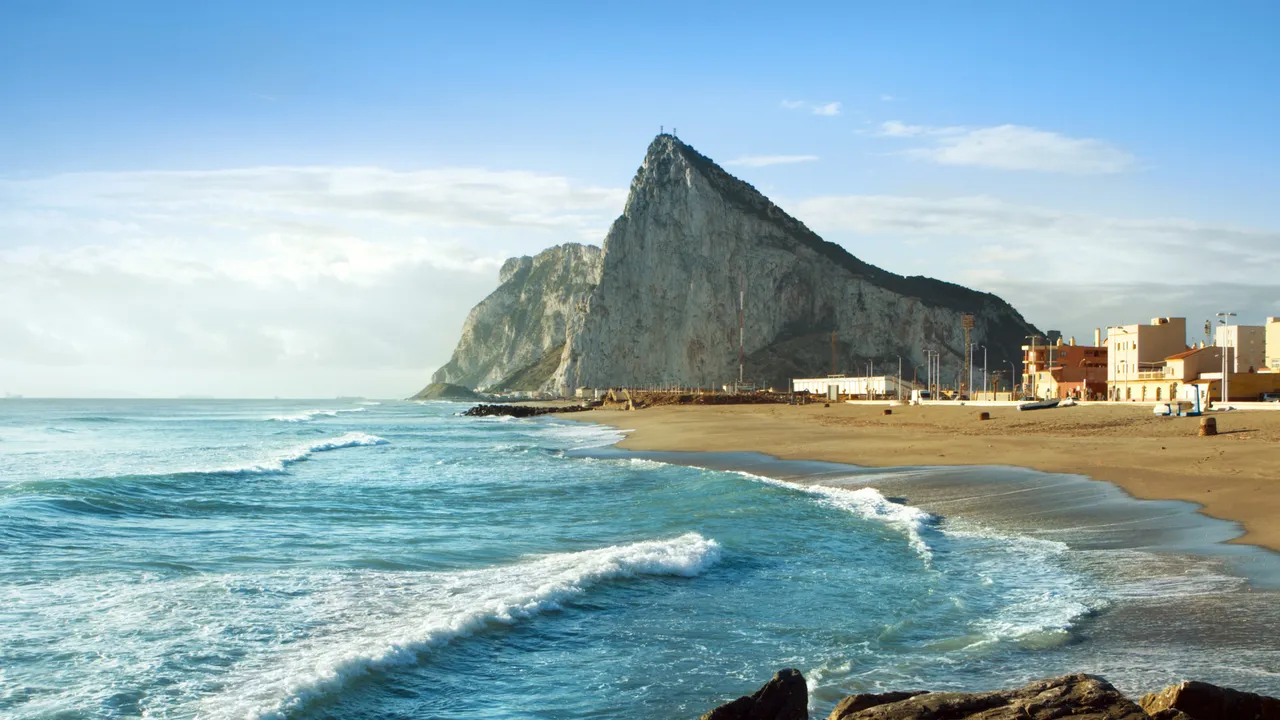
1064	369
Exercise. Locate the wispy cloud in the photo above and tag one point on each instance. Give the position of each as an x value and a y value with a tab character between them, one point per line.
1066	270
826	109
766	160
889	98
1011	147
1055	244
896	128
266	281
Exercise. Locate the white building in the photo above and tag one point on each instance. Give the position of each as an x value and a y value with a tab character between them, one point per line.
1136	354
879	386
1248	345
1273	344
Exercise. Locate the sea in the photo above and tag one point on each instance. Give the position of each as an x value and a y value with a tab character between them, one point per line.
393	559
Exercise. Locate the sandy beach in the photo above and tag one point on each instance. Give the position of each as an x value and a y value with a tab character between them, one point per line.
1233	476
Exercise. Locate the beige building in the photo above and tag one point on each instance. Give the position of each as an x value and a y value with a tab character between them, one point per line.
1136	356
1248	346
1273	344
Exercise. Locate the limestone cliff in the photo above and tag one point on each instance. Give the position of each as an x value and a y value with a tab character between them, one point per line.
514	338
660	304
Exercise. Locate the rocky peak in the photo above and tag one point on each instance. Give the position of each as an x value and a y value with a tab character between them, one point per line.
658	305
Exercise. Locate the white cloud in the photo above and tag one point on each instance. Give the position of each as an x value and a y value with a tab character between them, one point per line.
828	109
1057	245
1063	270
262	281
1012	147
766	160
895	128
889	98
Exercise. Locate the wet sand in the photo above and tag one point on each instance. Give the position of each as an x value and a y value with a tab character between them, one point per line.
1234	476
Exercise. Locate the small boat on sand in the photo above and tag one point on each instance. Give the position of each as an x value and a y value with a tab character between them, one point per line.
1040	404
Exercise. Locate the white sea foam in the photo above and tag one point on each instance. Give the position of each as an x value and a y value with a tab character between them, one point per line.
279	463
309	415
432	609
870	504
1042	598
583	436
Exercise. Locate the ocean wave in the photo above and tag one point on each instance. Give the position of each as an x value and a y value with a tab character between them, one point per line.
869	504
280	463
583	436
1042	601
448	606
308	415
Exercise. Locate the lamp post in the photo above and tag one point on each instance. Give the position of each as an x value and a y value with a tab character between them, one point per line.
985	387
1226	350
898	385
1030	371
1012	375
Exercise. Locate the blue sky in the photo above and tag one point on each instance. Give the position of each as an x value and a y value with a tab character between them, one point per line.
290	154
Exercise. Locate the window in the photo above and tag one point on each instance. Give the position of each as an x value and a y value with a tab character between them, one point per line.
1157	394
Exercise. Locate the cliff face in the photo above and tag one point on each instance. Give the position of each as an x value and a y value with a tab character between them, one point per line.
514	338
664	306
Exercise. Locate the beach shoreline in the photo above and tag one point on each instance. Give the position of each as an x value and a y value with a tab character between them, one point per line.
1232	476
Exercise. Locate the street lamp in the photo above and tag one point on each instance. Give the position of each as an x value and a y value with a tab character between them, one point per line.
898	385
1113	355
1226	373
985	386
1030	371
1012	375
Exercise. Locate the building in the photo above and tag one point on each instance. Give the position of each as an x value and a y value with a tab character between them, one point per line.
1063	370
1248	345
1136	356
836	386
1273	344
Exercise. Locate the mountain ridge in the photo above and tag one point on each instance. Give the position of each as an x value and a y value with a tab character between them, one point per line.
658	304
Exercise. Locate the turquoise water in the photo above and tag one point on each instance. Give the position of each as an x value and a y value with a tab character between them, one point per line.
332	559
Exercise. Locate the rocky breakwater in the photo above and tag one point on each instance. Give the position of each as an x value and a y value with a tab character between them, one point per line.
785	697
521	411
658	305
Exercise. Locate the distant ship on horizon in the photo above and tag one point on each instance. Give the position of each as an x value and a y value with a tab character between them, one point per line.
12	396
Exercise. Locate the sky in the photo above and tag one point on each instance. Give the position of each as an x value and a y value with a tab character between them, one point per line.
305	199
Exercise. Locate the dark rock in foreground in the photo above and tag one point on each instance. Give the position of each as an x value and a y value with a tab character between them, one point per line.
520	411
1076	696
784	697
1202	701
1083	697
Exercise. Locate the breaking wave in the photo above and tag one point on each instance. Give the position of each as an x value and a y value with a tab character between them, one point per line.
868	503
438	609
309	415
280	463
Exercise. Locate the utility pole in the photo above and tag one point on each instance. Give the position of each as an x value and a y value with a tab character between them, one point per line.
898	385
833	352
966	322
742	311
